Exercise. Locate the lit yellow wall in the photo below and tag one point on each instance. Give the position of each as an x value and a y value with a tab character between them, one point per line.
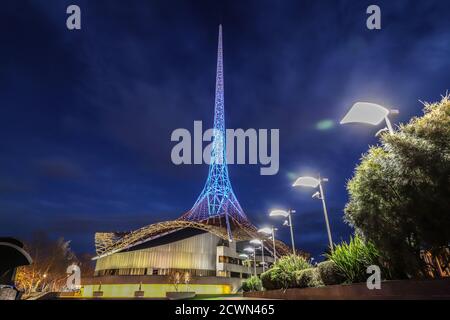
151	290
197	252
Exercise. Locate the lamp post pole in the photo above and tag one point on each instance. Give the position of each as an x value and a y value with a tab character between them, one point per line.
285	214
254	262
273	241
322	196
292	231
262	254
389	125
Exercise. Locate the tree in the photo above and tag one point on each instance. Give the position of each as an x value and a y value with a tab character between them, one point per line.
175	279
187	278
400	192
48	270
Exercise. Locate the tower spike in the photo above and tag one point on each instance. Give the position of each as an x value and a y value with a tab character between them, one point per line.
217	200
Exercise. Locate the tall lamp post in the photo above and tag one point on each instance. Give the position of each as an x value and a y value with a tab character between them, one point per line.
369	113
311	182
270	231
246	258
252	250
286	214
260	242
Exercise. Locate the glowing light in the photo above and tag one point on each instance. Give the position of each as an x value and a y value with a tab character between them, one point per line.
306	182
265	230
365	112
255	241
326	124
243	255
249	249
277	212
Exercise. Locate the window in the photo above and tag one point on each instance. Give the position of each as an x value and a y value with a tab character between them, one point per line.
221	273
224	243
153	272
225	259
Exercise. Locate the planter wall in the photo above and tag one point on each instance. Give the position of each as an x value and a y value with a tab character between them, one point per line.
390	290
179	295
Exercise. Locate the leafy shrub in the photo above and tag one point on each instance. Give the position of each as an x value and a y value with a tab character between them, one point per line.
270	279
252	284
330	273
283	274
291	263
353	258
308	278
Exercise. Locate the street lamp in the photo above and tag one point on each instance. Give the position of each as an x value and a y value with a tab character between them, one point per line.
252	250
286	214
260	242
311	182
270	231
370	113
246	258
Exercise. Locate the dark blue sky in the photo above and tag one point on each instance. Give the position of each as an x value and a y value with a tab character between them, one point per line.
86	116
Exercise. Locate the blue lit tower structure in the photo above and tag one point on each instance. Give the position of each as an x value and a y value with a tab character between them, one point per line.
217	203
193	242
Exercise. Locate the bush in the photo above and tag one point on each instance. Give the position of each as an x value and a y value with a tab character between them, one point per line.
308	278
291	263
399	195
330	273
283	274
352	259
252	284
272	279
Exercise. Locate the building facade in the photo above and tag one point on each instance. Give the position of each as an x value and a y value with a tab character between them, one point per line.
211	264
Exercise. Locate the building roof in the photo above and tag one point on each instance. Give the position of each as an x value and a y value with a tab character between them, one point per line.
155	234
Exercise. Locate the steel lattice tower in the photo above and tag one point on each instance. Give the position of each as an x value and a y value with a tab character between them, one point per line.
217	201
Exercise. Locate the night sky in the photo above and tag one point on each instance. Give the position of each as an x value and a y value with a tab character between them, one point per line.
86	116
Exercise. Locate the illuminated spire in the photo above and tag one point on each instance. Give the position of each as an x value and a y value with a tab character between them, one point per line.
217	200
